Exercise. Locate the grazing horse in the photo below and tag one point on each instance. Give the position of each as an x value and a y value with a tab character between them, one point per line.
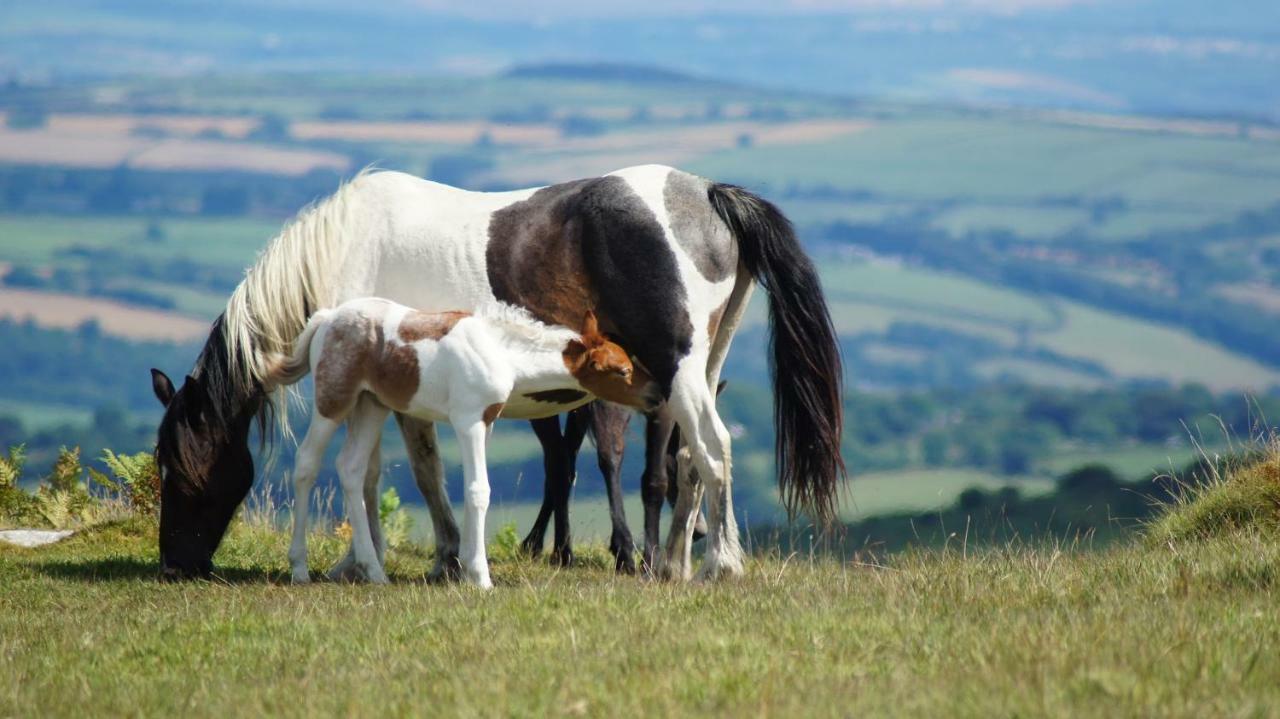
608	426
370	356
666	259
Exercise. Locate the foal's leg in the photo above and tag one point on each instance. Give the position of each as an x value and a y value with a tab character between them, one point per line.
547	429
609	427
364	430
708	443
428	472
473	434
306	468
345	570
372	506
653	483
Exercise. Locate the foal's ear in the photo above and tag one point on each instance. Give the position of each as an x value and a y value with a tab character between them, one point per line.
161	385
574	350
590	327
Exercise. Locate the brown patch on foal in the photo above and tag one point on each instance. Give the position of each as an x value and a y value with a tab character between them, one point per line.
355	351
417	325
492	412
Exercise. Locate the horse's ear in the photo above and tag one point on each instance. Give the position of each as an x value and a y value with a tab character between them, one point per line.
194	396
161	385
590	327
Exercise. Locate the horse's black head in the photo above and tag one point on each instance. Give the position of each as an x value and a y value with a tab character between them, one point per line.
206	469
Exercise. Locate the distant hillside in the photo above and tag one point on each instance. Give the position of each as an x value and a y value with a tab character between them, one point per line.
604	72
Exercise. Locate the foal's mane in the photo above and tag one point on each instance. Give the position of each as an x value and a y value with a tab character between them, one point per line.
522	325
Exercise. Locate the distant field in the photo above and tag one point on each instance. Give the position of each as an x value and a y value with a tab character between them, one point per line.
1167	177
68	311
96	149
1128	347
221	242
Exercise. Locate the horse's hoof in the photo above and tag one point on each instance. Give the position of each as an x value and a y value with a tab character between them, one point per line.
446	570
301	577
562	557
700	527
531	547
719	567
624	556
345	573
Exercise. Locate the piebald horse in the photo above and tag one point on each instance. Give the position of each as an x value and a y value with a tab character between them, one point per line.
370	356
666	259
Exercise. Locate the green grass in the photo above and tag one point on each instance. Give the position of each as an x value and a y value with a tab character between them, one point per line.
1133	631
1232	499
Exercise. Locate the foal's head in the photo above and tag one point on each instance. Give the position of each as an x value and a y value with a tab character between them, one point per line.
605	369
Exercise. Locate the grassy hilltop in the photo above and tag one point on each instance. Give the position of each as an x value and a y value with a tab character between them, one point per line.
1178	622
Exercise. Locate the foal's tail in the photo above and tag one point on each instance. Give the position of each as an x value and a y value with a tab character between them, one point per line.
287	370
805	357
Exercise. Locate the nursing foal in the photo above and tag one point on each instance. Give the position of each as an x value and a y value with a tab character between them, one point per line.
372	356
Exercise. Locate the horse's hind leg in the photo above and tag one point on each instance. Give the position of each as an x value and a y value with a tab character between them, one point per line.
547	430
306	467
609	427
428	473
364	430
708	445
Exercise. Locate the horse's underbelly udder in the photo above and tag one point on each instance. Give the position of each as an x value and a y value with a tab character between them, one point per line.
521	406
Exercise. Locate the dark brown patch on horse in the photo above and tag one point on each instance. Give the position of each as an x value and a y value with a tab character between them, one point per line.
417	325
594	244
534	256
557	396
492	412
355	351
697	228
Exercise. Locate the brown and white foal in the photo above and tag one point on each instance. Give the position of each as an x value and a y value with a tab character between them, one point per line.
371	356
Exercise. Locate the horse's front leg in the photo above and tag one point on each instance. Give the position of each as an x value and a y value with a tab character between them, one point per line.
609	427
653	483
428	472
547	430
575	431
473	432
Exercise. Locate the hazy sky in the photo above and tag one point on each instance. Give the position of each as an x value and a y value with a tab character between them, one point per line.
565	9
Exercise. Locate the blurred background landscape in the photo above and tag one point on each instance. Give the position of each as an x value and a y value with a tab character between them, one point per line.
1049	230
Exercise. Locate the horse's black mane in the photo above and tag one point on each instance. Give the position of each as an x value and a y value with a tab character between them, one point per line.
221	413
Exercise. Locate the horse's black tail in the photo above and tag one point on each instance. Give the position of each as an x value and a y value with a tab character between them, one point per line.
805	357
